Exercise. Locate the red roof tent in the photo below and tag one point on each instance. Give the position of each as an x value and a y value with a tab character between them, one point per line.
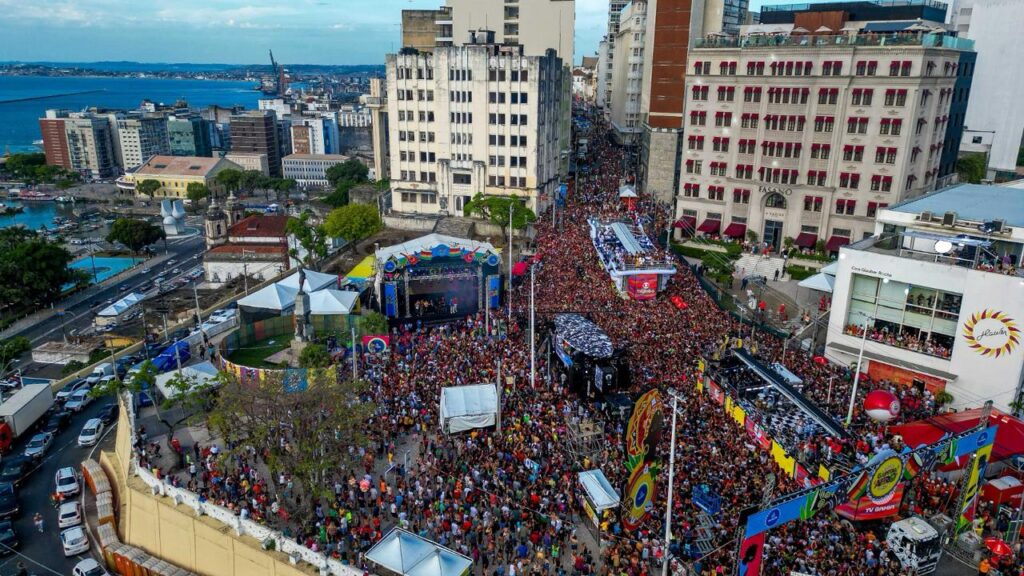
735	230
709	226
835	243
1009	437
806	240
686	223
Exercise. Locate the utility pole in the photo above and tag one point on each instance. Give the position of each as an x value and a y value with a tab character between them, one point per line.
510	260
499	387
671	491
856	375
355	370
533	336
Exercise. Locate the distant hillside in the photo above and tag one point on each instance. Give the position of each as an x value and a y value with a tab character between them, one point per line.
130	67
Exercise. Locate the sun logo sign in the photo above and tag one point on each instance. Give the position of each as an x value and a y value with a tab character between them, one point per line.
991	333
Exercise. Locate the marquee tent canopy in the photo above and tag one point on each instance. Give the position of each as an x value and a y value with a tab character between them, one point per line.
583	335
467	407
314	281
119	307
273	297
203	373
599	490
332	302
821	282
430	244
832	269
405	553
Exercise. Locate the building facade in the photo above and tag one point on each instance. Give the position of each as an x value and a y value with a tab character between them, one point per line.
175	173
55	140
257	132
627	76
141	137
376	102
788	140
189	136
939	292
255	247
310	170
314	135
91	145
536	25
250	161
478	118
425	29
605	83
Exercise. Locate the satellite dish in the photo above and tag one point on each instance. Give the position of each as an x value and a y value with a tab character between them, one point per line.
943	246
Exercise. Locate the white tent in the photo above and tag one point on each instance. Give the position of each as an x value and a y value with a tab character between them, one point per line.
202	373
405	553
832	269
627	191
599	490
820	282
273	297
122	305
314	281
468	407
331	302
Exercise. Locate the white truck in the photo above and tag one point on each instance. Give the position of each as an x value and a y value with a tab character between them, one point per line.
20	410
917	544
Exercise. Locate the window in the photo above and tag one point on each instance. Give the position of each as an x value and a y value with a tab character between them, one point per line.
851	181
824	123
723	118
813	203
828	96
700	93
698	118
693	166
695	142
720	144
755	68
831	68
816	177
747	146
741	196
752	94
746	121
716	193
873	208
845	207
820	151
862	96
691	190
853	153
857	125
718	168
726	93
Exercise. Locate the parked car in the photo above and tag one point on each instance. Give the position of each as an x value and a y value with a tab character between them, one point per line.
75	541
89	567
38	445
57	422
70	388
108	414
9	507
91	432
79	400
66	482
8	538
14	469
69	514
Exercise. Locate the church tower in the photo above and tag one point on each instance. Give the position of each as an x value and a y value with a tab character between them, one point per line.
216	225
235	210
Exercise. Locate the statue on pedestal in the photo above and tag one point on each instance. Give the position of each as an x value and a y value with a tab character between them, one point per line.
303	329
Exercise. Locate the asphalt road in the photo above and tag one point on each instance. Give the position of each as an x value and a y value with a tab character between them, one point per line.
42	553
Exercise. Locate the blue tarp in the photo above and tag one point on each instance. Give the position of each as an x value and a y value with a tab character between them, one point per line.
168	359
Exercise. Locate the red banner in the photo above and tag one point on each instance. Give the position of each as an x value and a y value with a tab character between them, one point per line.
868	509
642	286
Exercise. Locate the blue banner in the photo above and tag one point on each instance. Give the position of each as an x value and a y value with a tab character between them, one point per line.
493	291
390	300
775	516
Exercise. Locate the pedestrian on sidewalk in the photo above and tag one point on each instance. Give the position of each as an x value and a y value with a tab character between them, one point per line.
38	521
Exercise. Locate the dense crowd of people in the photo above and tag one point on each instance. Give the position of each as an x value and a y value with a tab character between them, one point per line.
507	497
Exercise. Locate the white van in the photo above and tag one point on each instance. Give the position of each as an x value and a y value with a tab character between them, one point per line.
99	372
91	432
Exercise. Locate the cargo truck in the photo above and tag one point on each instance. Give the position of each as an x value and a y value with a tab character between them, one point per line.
21	409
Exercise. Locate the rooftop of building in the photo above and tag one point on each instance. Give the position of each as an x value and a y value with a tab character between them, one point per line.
589	62
782	36
971	202
257	251
177	166
860	10
336	157
261	226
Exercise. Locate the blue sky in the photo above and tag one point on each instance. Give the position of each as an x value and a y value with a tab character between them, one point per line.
225	31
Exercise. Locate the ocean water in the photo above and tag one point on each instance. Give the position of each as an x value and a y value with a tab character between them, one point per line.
19	118
36	215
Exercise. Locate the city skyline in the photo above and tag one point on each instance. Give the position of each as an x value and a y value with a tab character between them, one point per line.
227	31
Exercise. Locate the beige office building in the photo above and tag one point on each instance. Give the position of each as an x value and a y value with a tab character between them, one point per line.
627	111
140	138
477	118
808	137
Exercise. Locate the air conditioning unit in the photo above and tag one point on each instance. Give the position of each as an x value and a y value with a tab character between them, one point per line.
949	219
997	225
925	217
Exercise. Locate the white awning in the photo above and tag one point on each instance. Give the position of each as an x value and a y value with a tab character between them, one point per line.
407	554
820	282
599	489
314	281
202	373
122	305
468	407
332	302
832	269
627	191
273	297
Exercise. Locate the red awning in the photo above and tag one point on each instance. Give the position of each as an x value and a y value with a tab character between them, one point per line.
709	226
686	223
735	230
806	240
1009	438
835	243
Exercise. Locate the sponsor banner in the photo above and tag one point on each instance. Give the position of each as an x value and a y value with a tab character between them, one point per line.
751	551
866	508
969	500
642	286
640	494
377	343
643	430
715	391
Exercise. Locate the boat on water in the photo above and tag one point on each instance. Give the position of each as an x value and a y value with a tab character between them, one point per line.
65	199
30	196
8	210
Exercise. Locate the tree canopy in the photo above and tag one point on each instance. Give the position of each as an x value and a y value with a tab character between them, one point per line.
353	222
496	210
33	270
312	238
147	187
32	167
229	178
135	234
350	170
971	168
314	356
197	192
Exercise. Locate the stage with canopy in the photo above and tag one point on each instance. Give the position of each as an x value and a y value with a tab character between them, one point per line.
590	361
467	407
404	553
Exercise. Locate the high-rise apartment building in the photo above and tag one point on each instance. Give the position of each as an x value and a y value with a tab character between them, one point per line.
607	53
627	75
425	29
808	136
55	140
314	135
256	132
477	118
376	102
141	137
86	145
536	25
189	135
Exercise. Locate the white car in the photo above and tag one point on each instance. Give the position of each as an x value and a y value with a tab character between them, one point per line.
91	432
66	481
89	567
75	541
69	514
78	400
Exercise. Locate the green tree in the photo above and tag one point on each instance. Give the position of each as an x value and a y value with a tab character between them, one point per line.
339	197
350	170
33	270
147	187
229	178
496	209
11	349
135	234
353	222
252	180
971	168
283	187
312	238
323	425
24	165
314	356
373	323
196	192
751	236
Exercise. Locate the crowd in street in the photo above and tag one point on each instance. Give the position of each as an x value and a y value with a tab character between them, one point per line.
507	496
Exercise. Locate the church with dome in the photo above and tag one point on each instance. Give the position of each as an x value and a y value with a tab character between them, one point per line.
237	245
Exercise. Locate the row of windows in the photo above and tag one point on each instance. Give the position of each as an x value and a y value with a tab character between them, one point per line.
410	176
410	136
514	75
412	197
847	180
422	116
414	95
513	119
513	181
407	156
828	68
513	97
513	161
499	140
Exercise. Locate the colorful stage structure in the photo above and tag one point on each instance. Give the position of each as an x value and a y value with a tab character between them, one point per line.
436	277
631	258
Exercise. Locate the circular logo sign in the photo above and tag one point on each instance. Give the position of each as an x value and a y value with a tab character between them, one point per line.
376	345
885	478
991	333
773	517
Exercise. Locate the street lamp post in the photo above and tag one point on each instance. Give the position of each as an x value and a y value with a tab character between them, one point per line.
533	337
509	283
856	376
671	491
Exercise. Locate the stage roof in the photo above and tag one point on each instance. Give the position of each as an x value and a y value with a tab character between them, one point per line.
332	302
118	308
599	489
407	554
314	281
428	243
361	271
583	335
1009	437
